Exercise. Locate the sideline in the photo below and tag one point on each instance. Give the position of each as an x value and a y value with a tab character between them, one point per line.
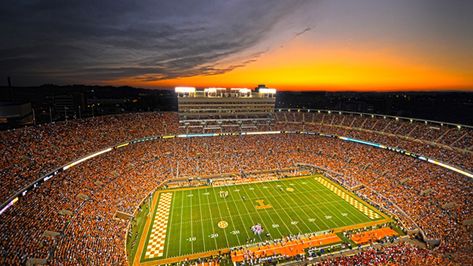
144	233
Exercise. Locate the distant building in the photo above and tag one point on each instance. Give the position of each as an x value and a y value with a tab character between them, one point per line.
69	105
15	114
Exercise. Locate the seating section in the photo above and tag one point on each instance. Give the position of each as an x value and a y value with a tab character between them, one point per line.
81	202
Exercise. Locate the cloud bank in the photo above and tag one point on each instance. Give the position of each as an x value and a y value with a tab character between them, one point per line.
99	41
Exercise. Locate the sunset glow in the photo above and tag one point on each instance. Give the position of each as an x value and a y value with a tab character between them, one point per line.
305	66
367	45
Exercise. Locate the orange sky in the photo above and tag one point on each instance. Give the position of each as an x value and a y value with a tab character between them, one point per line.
301	65
289	45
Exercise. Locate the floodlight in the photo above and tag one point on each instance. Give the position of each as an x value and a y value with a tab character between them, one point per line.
267	90
184	89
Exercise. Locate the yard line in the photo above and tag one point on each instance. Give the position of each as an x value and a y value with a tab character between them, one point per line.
220	214
295	212
313	184
233	224
210	213
283	209
180	225
225	212
356	214
339	201
192	233
249	213
317	215
325	204
334	195
363	215
271	218
205	204
320	212
347	205
201	222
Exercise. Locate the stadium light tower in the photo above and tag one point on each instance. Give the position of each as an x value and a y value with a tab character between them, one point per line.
184	89
267	90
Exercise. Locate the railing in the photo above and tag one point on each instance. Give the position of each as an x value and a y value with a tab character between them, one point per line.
397	118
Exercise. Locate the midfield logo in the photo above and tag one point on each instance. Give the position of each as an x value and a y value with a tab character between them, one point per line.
261	205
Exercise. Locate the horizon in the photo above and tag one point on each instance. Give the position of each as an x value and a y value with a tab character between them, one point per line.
295	90
300	45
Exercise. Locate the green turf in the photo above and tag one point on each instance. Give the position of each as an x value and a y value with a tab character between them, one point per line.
195	213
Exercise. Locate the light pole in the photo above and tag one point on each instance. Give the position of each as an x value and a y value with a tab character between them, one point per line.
34	116
65	113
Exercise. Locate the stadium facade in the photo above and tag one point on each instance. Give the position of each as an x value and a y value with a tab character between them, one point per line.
220	109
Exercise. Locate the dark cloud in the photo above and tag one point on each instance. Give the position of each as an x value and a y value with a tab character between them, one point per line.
95	41
303	31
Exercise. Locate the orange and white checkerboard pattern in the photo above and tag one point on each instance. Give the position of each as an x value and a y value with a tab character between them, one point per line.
157	237
355	203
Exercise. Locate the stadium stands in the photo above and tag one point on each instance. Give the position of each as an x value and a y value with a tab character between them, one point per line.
80	203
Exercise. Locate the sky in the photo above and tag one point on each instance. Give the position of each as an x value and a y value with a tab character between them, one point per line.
366	45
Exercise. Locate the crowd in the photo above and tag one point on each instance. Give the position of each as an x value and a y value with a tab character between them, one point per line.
80	203
399	254
446	143
30	152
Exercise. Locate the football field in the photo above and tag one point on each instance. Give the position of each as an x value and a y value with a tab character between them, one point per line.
204	220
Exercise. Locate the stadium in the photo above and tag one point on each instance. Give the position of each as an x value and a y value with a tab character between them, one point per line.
231	180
